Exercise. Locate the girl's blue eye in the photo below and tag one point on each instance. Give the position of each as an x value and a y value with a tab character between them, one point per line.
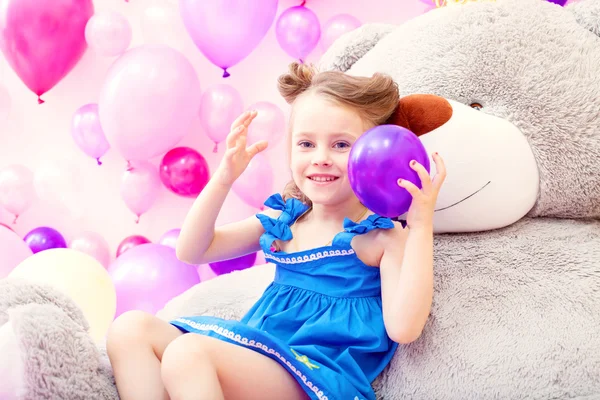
342	145
305	144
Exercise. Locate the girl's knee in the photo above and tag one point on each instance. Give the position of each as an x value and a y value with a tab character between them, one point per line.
185	352
129	327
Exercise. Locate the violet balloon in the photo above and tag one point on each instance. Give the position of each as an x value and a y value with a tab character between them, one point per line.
377	160
169	238
148	100
269	123
337	26
148	276
108	33
44	238
184	171
256	182
234	264
139	187
43	40
87	132
130	242
298	31
220	105
13	250
227	31
17	190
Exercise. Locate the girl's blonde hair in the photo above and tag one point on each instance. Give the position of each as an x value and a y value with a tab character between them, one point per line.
374	99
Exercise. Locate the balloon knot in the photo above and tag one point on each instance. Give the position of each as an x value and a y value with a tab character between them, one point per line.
129	166
303	3
216	148
98	161
40	101
137	220
225	73
301	61
16	218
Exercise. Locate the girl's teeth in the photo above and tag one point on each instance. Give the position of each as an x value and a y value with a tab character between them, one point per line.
322	179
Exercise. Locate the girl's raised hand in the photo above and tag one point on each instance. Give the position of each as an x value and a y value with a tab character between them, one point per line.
238	156
423	202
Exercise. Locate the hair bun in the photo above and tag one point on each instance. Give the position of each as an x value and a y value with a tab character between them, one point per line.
296	81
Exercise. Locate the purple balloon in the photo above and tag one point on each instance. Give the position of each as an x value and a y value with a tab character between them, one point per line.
227	31
298	31
559	2
44	238
234	264
149	275
377	160
169	238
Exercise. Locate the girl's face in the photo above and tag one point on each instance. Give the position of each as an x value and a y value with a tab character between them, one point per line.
322	135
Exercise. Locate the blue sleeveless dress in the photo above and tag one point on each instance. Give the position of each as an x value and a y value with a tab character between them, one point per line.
321	318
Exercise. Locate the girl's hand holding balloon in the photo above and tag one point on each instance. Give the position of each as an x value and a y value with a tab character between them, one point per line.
238	156
420	213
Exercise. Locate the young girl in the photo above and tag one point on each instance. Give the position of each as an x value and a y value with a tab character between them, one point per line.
349	284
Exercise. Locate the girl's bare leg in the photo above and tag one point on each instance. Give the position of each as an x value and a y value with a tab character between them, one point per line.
135	345
196	367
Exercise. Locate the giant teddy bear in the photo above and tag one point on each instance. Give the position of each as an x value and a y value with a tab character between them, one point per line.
508	92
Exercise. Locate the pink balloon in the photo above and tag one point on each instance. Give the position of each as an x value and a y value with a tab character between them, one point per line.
220	105
139	187
169	238
43	40
184	171
108	32
227	31
269	123
335	27
130	242
148	276
87	132
206	273
5	103
298	31
13	250
93	244
255	184
17	191
147	103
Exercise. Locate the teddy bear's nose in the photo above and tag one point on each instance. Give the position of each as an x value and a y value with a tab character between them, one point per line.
422	113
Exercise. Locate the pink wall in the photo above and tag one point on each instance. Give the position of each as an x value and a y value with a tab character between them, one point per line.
37	134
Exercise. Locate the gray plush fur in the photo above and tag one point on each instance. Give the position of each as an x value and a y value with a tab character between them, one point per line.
516	311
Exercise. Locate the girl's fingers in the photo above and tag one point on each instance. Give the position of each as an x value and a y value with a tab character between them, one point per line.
257	148
440	175
410	187
423	175
233	136
240	120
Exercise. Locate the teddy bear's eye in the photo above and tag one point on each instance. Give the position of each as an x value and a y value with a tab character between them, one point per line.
476	106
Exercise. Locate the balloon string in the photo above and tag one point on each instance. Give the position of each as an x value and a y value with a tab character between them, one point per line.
216	147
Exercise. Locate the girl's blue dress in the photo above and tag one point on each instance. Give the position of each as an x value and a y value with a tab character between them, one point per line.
321	318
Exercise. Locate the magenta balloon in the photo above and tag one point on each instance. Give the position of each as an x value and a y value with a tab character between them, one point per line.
148	100
44	238
43	40
13	250
227	31
377	160
148	276
87	132
169	238
130	242
234	264
337	26
298	31
184	171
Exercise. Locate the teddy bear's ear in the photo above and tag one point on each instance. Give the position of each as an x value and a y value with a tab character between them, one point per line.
587	14
349	48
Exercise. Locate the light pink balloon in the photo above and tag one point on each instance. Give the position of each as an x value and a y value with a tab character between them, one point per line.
57	185
87	132
298	31
205	272
13	250
93	244
108	33
17	191
43	40
147	103
335	27
227	31
139	187
5	103
220	105
269	123
255	184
